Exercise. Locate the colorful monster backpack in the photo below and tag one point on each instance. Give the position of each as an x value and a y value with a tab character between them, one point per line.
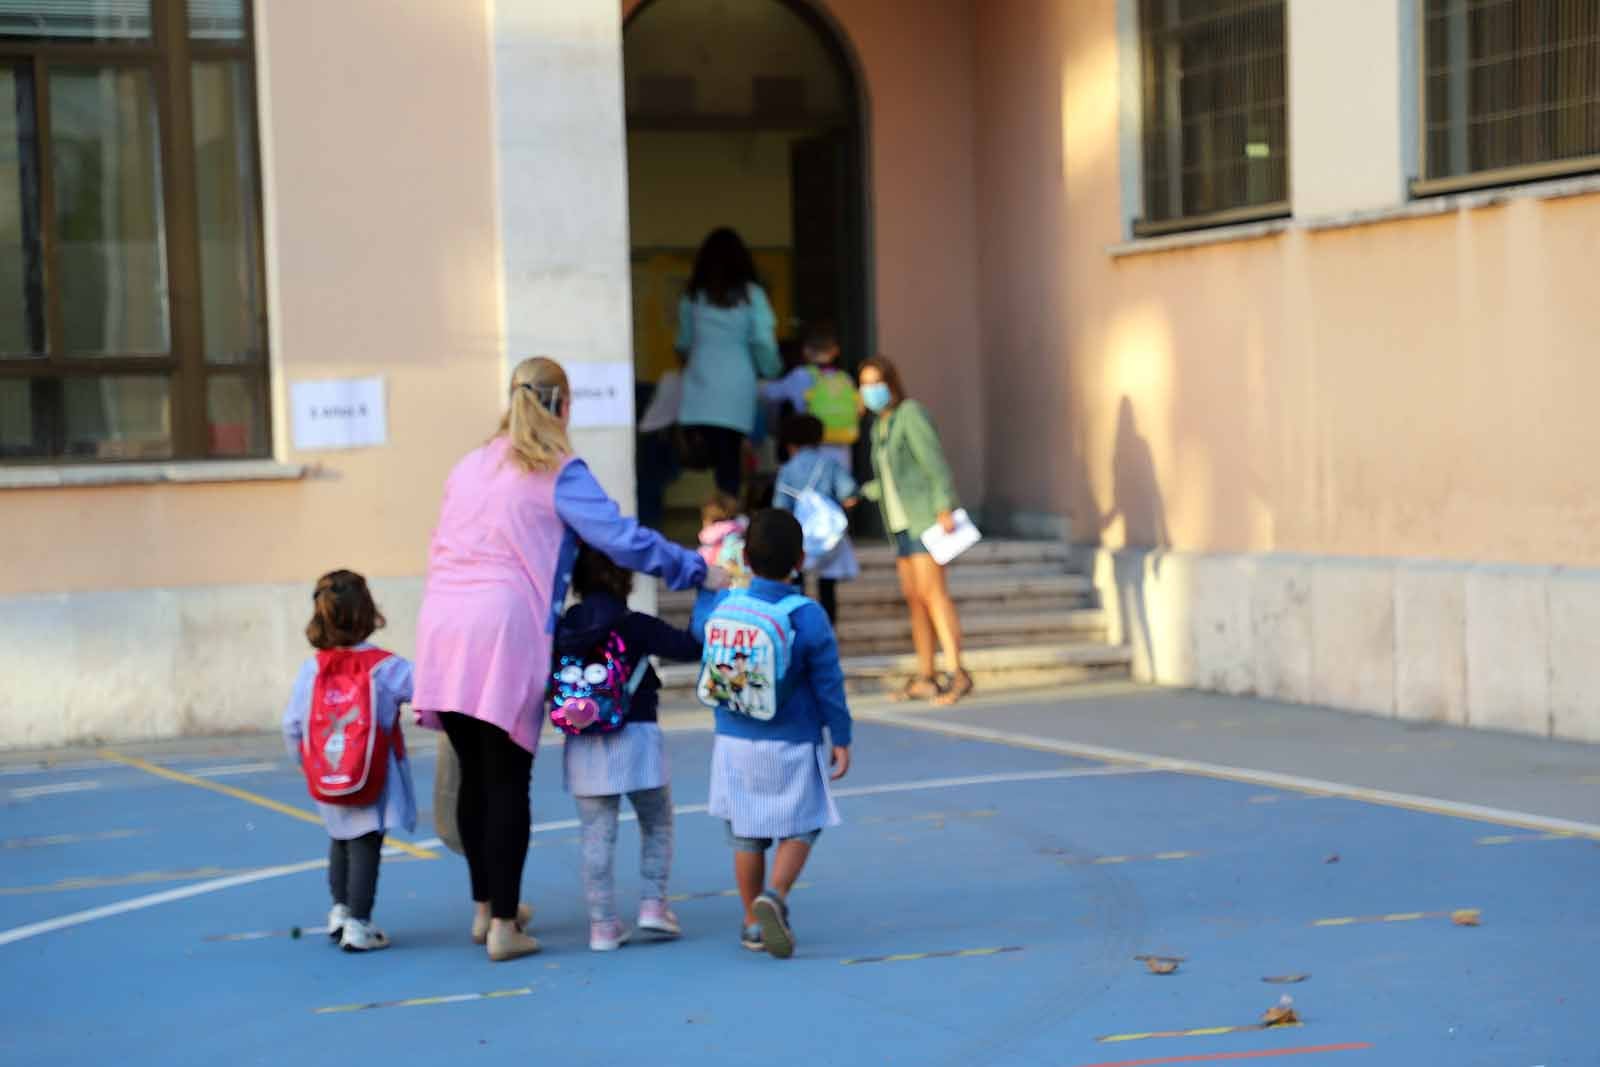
344	752
832	399
589	694
746	654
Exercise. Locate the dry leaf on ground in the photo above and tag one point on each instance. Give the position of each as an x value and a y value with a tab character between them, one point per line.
1285	979
1466	917
1161	964
1280	1014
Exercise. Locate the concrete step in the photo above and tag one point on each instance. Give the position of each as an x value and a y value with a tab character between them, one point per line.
987	629
1023	589
876	555
1003	668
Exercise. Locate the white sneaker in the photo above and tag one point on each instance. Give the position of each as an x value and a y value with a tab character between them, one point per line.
607	936
362	936
337	917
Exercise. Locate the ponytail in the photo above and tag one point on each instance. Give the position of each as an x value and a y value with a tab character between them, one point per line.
533	422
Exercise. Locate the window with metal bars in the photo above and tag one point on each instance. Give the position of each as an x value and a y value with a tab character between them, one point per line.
132	307
1215	129
1511	91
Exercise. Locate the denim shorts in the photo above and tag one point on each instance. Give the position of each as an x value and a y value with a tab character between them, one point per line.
761	844
906	546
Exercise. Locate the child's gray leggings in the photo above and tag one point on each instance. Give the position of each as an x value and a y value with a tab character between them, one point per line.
598	816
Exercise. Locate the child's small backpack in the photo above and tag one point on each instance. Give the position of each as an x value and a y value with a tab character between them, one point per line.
832	400
589	694
343	751
746	654
823	522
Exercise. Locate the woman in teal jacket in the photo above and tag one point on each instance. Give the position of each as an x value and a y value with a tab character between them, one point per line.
914	490
726	334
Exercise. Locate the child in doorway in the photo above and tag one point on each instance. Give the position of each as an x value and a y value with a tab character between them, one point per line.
807	467
769	778
818	387
349	691
722	528
598	769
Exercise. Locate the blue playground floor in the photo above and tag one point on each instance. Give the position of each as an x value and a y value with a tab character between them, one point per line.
983	903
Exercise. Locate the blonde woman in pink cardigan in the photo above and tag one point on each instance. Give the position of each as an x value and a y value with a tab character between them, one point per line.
514	511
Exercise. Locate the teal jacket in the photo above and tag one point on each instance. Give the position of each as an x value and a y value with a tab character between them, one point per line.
727	349
905	440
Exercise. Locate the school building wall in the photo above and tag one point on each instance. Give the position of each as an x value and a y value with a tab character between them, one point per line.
1341	458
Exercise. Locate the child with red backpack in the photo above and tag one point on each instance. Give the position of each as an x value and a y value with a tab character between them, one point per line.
343	726
771	670
603	696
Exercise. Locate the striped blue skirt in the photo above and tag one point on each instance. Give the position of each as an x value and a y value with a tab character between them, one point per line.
770	788
605	765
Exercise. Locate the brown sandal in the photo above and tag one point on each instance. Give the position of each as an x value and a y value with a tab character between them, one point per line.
919	687
961	686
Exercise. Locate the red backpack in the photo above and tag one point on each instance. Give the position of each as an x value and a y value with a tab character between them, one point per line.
344	752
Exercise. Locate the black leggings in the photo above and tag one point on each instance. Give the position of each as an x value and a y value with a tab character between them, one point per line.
353	872
827	596
492	809
725	449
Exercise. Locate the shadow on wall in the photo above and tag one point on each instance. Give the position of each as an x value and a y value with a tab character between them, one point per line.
1136	500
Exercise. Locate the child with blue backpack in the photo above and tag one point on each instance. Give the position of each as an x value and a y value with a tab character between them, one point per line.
771	671
604	695
816	490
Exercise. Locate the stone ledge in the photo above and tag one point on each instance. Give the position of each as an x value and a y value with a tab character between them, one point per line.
198	472
1418	208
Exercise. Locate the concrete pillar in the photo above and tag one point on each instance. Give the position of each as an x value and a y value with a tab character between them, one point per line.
562	191
1346	101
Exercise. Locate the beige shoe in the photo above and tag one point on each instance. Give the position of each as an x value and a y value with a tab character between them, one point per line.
480	927
509	943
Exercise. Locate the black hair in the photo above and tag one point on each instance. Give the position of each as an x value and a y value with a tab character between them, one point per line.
774	546
800	431
595	573
723	270
821	335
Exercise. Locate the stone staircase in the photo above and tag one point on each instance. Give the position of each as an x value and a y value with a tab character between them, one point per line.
1028	622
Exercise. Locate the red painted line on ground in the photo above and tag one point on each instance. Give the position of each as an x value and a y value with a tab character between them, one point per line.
1213	1057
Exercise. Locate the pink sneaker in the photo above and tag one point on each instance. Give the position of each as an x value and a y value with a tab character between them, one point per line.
655	916
607	936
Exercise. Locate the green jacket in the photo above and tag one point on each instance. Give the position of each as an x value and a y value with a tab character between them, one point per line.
906	440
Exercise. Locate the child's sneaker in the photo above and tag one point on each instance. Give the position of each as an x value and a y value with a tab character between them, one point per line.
773	915
338	915
657	918
750	938
607	935
362	936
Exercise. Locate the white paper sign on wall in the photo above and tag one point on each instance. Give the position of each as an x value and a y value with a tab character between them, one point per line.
352	413
602	394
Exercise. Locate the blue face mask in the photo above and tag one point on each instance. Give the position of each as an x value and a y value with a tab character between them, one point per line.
875	396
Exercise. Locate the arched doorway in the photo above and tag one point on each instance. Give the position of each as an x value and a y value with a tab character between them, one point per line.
745	113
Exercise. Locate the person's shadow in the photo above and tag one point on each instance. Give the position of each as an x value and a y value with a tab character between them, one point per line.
1136	500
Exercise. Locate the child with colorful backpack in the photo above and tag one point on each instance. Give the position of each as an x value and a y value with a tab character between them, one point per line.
819	388
818	492
770	669
722	527
343	725
603	696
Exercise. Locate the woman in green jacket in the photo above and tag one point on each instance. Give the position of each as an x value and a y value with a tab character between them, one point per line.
912	485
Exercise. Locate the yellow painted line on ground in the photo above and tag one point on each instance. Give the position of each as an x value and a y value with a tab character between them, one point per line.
1513	839
1204	1031
906	957
137	878
245	795
1103	861
1393	917
424	1002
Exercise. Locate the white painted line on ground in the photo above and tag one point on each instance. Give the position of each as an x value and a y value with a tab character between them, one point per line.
68	839
233	769
21	933
1429	805
29	769
28	792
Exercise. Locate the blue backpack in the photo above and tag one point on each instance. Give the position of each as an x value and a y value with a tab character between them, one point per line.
745	657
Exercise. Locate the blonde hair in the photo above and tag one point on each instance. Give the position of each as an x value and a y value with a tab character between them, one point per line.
718	507
532	422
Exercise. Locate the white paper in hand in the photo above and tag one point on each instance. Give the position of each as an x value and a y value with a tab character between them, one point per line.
944	547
